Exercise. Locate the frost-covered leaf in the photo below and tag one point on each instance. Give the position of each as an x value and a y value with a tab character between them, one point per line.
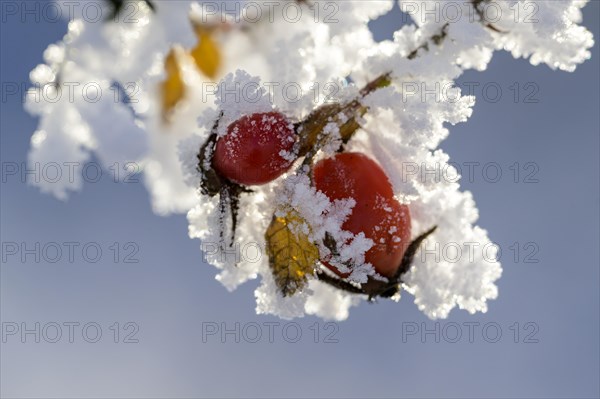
310	130
343	116
292	256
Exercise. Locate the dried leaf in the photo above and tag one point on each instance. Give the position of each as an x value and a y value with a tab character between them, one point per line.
173	88
291	254
207	54
343	115
211	182
311	127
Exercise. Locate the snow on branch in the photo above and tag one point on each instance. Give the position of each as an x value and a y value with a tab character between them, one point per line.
181	76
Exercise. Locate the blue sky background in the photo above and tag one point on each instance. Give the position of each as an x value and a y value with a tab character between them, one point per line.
170	293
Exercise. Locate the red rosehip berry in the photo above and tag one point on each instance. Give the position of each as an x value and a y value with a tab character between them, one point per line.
257	149
377	213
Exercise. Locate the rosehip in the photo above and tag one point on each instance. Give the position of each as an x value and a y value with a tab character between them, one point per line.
377	213
257	149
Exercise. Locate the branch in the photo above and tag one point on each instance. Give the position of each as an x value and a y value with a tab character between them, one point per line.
437	39
481	14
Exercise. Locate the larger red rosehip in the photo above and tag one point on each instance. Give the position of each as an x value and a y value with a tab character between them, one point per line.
377	213
257	149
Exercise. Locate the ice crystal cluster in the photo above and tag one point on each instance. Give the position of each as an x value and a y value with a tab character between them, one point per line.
293	61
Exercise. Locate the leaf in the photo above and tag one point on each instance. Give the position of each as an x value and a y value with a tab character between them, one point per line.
343	115
173	88
311	127
292	256
206	54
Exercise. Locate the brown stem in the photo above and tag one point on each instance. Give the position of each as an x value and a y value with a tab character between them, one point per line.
437	39
481	14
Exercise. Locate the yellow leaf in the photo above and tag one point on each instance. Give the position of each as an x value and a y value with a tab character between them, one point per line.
291	254
207	54
173	88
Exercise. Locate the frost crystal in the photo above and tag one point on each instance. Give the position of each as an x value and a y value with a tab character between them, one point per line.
274	63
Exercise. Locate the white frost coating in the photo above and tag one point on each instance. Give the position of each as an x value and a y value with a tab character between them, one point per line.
328	302
402	129
105	52
237	95
188	154
547	32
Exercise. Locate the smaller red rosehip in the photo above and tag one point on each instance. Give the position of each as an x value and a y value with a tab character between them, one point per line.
256	149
